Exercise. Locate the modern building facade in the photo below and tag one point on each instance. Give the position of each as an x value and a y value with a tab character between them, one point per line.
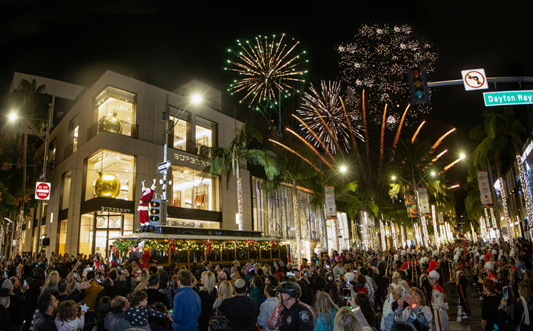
110	141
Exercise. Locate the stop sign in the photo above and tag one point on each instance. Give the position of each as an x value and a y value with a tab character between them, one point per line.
42	191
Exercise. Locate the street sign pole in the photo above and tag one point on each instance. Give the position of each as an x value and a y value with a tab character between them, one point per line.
45	162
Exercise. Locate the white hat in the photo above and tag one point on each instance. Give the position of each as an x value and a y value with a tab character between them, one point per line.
349	276
435	253
489	266
434	274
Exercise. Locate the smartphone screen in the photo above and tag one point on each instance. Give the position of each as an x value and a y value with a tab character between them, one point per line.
25	283
505	291
346	293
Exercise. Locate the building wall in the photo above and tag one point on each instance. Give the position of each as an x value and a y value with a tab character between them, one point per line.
147	149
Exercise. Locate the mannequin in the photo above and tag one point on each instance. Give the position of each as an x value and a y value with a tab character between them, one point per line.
147	193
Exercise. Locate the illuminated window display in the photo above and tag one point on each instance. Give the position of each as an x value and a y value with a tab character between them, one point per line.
62	236
110	175
205	133
116	111
181	134
65	198
192	223
192	190
101	228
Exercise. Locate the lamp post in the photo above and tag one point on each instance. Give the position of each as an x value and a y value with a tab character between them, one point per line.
195	99
46	140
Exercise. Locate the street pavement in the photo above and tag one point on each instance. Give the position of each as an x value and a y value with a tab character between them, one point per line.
452	297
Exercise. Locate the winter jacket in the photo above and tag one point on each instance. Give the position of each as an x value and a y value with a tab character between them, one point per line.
256	294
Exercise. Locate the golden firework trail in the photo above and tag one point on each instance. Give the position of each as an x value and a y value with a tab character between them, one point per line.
366	130
329	130
381	142
440	140
316	137
438	156
397	138
312	148
451	165
417	131
356	150
295	153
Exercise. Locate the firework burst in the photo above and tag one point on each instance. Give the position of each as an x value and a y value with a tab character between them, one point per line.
267	68
323	113
376	60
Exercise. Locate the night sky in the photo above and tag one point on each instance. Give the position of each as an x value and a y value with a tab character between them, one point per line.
168	44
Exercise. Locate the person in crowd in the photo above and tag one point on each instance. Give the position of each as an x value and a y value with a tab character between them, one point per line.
165	289
115	320
219	323
102	309
5	315
462	283
325	310
187	304
440	307
17	305
67	317
51	282
240	310
417	315
387	314
523	310
299	316
363	301
347	320
48	305
138	313
153	290
268	306
225	291
208	296
90	296
160	324
489	307
257	290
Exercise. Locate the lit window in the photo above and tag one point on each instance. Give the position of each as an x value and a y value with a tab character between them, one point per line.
206	132
110	175
192	190
65	199
116	111
181	134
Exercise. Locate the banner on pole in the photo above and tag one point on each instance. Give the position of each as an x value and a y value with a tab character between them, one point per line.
331	209
484	187
424	201
441	218
410	202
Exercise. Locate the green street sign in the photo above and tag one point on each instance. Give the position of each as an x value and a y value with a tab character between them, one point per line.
508	98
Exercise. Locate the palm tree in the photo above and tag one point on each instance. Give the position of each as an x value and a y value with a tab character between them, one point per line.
227	160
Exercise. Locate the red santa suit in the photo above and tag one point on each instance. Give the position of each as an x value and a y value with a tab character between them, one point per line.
144	204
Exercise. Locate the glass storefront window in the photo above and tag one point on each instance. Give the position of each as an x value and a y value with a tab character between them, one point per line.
62	236
116	111
192	190
128	224
86	234
110	175
228	254
65	199
242	253
181	135
179	256
193	254
206	132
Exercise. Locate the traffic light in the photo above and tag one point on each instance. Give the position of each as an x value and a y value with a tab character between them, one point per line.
418	85
155	210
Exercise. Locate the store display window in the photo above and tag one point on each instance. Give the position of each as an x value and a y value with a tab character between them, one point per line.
192	189
181	135
110	175
62	237
205	134
101	228
116	111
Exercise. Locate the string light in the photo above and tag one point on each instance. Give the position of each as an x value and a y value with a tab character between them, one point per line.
296	210
425	230
436	229
525	191
376	59
505	209
382	230
240	204
394	239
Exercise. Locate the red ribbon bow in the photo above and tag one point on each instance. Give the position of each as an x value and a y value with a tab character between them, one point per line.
171	246
208	246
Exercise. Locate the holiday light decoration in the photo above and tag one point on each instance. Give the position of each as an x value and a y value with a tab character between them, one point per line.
435	228
425	231
382	231
376	59
365	232
417	131
322	111
505	209
403	235
482	227
297	224
393	232
266	69
525	191
240	204
494	221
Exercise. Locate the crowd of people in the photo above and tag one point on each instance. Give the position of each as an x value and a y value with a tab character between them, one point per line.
398	289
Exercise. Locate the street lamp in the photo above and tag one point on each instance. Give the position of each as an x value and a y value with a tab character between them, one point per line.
195	99
46	139
343	169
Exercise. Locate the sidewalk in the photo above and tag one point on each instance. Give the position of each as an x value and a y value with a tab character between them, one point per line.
452	297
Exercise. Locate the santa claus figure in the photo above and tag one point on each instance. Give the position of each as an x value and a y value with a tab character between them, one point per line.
144	204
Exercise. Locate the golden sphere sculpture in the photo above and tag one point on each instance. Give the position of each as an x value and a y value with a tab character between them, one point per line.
111	123
107	186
